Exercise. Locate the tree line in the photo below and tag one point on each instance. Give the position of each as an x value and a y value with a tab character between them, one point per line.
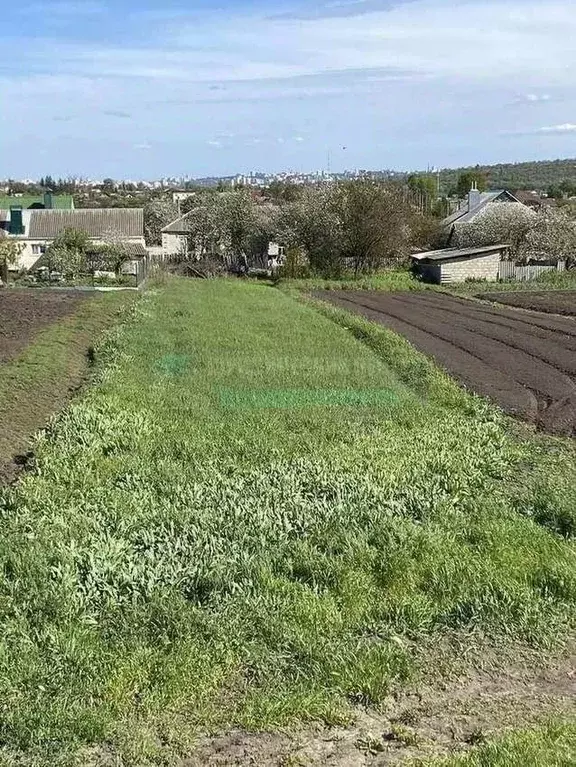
330	228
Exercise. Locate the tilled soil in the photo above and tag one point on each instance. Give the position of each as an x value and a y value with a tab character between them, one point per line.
524	361
549	301
23	313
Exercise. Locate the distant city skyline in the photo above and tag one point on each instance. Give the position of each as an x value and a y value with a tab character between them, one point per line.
148	89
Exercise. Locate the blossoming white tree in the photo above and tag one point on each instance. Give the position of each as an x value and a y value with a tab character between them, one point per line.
502	223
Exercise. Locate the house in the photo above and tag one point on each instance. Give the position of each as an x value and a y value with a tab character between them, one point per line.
37	229
476	203
460	264
175	236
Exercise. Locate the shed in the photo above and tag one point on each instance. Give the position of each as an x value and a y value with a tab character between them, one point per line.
460	264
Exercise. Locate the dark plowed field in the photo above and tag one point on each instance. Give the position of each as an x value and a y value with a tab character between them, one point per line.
526	362
549	301
25	312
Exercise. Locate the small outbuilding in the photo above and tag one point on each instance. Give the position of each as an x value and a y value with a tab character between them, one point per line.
460	264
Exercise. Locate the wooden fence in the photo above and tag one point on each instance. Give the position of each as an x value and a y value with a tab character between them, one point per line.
508	270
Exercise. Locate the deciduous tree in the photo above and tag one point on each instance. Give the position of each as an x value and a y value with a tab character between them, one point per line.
502	223
157	215
10	250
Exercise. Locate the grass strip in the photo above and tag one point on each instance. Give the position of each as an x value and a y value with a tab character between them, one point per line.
175	564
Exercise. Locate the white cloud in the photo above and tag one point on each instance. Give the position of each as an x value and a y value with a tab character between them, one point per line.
144	146
408	83
535	97
560	129
525	39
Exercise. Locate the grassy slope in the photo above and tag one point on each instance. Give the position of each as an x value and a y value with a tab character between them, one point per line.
186	557
40	379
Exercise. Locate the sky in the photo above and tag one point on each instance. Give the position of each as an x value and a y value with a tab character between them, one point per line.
153	88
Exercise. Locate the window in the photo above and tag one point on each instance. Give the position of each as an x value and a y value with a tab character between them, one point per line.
37	250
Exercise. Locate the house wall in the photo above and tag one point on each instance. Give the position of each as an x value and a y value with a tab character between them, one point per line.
471	268
28	257
173	243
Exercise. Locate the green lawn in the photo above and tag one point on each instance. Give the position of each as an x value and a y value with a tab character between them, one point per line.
249	519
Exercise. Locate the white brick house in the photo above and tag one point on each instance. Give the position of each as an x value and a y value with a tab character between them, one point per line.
37	229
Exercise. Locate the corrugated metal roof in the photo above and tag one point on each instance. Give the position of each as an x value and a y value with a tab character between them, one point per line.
131	249
125	222
446	254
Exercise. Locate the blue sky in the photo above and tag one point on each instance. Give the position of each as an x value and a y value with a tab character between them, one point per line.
144	88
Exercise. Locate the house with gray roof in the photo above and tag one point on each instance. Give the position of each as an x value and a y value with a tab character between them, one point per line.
474	205
36	229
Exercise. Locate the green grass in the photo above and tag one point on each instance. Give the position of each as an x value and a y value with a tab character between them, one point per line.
391	280
551	746
248	521
402	279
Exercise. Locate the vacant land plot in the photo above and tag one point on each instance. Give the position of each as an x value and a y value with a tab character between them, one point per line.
46	349
552	302
23	313
252	521
526	362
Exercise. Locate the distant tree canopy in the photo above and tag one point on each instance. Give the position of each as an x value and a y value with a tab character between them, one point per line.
467	180
538	176
564	189
358	226
424	183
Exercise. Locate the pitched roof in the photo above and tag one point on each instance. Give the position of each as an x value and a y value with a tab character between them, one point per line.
125	222
59	201
180	226
130	249
464	214
446	254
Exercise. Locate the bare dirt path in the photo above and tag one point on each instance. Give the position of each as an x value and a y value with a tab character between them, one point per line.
424	724
524	361
23	313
